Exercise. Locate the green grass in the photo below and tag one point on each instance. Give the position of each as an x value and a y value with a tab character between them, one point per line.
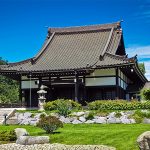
121	136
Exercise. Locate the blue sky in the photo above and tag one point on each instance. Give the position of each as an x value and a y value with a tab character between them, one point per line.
23	24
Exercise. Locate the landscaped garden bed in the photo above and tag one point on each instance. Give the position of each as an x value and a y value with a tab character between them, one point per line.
121	136
100	123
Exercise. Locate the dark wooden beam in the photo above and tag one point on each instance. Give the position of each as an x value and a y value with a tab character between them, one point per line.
50	88
84	89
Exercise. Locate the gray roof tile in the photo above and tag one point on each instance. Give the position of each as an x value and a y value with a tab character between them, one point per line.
75	48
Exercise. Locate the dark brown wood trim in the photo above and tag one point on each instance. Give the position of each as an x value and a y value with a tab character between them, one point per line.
101	76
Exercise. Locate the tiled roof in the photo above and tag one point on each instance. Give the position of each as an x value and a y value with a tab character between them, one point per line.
76	48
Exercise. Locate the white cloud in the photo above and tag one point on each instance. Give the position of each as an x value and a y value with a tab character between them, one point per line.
143	53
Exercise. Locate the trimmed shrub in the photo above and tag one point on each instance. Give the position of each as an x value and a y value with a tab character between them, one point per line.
118	105
63	107
90	116
8	136
49	123
118	115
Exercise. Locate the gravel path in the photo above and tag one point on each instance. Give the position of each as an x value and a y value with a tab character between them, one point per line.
53	147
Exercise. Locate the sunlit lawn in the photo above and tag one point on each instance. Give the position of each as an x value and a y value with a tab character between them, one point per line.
121	136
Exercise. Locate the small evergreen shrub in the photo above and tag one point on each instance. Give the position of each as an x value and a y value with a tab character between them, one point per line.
62	106
118	115
8	136
138	119
49	123
42	115
142	114
118	105
90	116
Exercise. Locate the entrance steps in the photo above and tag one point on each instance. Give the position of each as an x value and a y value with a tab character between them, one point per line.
9	111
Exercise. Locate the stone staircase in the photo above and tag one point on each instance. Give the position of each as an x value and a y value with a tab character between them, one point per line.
9	111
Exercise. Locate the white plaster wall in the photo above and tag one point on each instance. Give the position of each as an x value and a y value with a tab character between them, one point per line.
103	72
100	81
26	84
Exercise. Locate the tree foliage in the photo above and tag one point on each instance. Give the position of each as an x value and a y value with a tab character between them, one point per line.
145	93
142	67
8	88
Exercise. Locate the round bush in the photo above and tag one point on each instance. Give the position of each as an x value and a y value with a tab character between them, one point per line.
63	107
49	123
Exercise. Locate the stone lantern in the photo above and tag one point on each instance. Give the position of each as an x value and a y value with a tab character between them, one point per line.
41	98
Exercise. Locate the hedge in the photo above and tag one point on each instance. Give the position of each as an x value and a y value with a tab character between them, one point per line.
118	105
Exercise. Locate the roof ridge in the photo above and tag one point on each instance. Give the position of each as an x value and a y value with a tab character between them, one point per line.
44	47
84	28
108	42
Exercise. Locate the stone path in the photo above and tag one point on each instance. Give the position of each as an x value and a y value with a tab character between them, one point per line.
8	111
54	147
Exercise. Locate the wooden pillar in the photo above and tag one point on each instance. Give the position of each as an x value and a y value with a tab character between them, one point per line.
117	83
50	89
84	90
40	82
76	86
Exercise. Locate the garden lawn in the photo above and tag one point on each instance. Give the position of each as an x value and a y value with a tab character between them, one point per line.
121	136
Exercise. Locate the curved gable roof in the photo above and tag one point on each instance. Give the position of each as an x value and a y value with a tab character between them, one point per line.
75	48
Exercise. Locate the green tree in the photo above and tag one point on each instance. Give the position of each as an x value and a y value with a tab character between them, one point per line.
145	93
142	67
9	92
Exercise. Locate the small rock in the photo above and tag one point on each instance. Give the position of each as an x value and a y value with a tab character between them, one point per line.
25	121
144	141
118	120
132	121
82	119
146	120
89	121
30	140
33	122
111	120
100	120
125	120
27	114
64	120
21	132
111	115
76	122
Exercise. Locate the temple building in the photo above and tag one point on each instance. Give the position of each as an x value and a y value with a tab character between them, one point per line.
83	63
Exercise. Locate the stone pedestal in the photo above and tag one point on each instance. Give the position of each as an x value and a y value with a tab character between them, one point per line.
41	103
41	98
